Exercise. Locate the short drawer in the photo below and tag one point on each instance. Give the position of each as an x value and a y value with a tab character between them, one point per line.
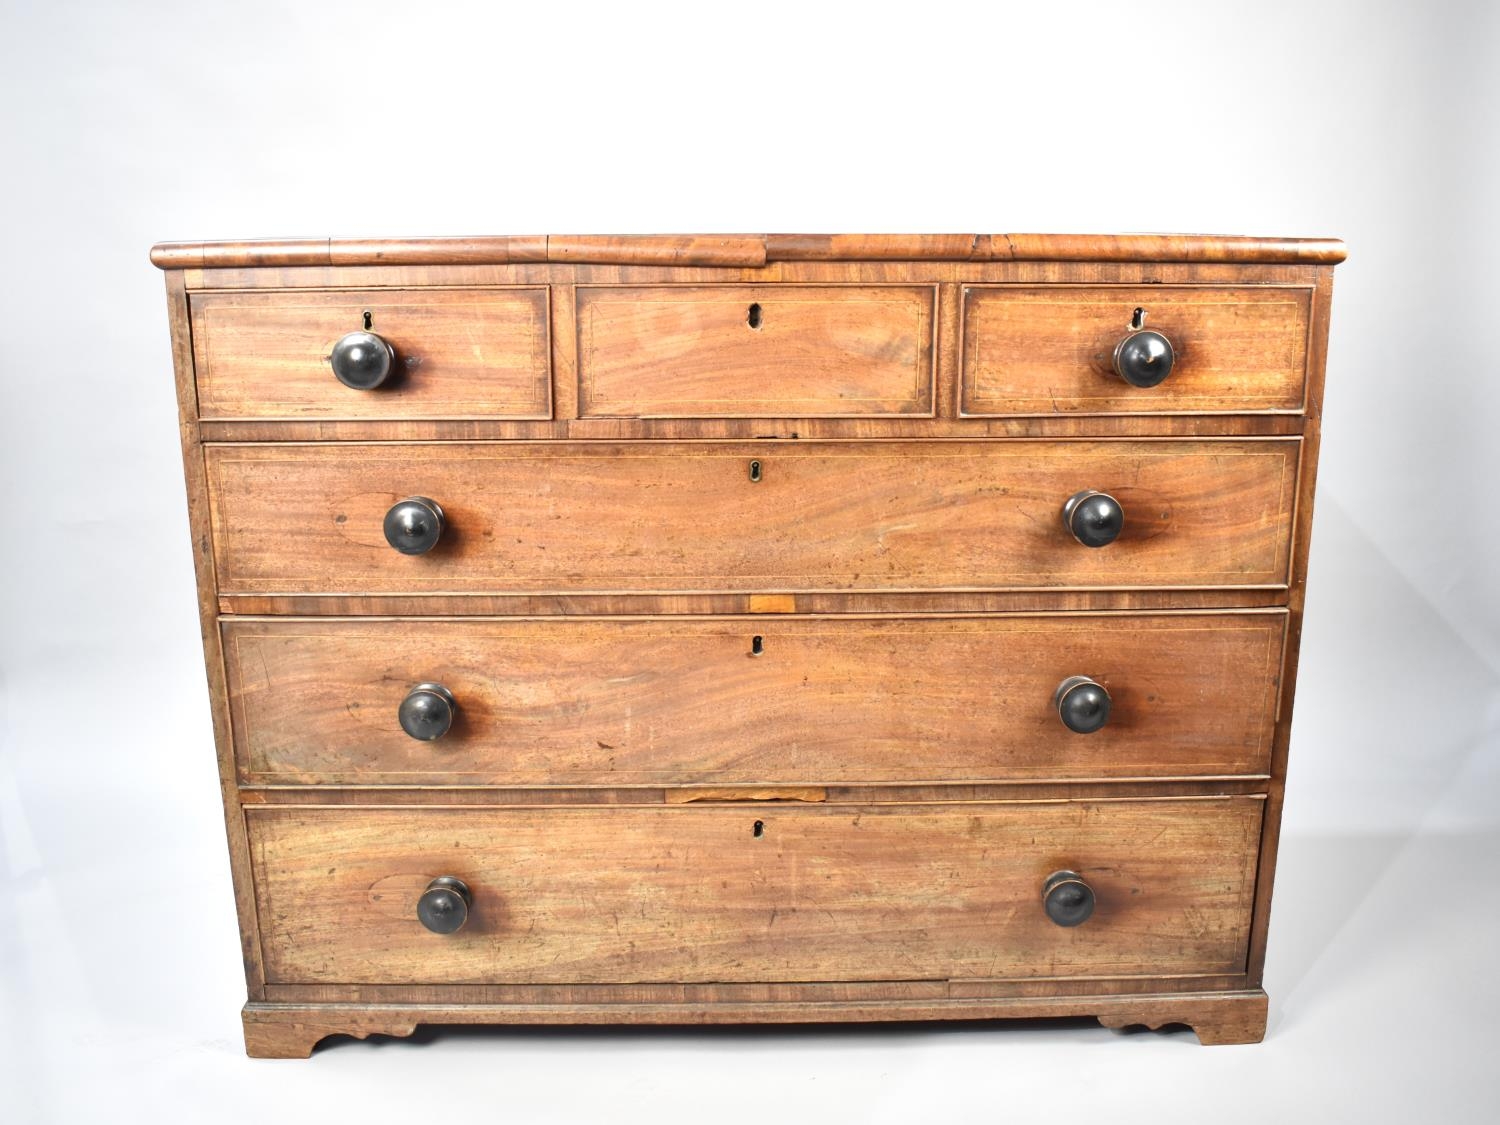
754	516
694	894
746	351
459	353
684	701
1050	350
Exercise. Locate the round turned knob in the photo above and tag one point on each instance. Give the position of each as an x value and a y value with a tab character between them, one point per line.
1093	518
427	711
362	360
414	526
1144	358
444	905
1068	899
1082	704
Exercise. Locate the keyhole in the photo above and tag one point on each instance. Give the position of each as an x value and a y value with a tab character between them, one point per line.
758	829
369	320
1138	321
756	646
753	320
754	472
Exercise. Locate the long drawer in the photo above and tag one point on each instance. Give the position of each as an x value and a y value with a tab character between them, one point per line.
682	701
750	516
689	894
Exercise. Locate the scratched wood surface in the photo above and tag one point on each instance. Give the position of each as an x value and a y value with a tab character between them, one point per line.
750	700
695	894
929	499
660	517
1049	350
778	351
460	353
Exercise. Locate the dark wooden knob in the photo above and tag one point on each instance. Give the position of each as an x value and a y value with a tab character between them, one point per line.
444	905
414	526
1093	518
1144	358
427	711
1068	899
362	360
1082	704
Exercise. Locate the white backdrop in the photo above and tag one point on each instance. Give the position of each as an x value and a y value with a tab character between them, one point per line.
124	124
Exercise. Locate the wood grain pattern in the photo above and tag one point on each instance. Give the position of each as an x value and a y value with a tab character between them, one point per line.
691	894
1048	350
260	252
866	272
664	249
886	428
636	605
685	701
684	995
659	517
747	250
773	351
873	793
670	249
459	353
803	272
1049	247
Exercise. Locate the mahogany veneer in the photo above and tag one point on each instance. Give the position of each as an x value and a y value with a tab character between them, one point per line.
674	517
674	700
630	895
691	628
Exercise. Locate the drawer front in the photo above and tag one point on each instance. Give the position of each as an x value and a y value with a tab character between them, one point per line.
752	700
694	894
459	353
1050	350
746	351
676	517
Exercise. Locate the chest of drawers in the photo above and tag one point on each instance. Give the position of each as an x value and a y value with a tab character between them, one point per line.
753	628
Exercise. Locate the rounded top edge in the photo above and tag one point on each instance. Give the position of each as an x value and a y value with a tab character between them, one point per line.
744	251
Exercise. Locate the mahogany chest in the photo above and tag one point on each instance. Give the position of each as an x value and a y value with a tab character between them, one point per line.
750	628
